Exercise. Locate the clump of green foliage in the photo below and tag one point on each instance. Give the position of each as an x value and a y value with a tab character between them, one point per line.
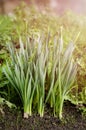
33	65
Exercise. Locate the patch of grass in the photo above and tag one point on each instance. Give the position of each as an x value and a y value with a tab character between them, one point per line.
40	60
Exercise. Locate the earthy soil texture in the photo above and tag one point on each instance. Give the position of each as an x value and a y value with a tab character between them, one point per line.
12	119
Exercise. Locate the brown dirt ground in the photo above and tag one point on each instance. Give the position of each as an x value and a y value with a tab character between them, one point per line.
73	120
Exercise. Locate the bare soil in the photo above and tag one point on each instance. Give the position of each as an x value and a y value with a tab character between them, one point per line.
12	119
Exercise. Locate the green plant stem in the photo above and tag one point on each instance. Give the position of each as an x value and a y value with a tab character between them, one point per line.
60	90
